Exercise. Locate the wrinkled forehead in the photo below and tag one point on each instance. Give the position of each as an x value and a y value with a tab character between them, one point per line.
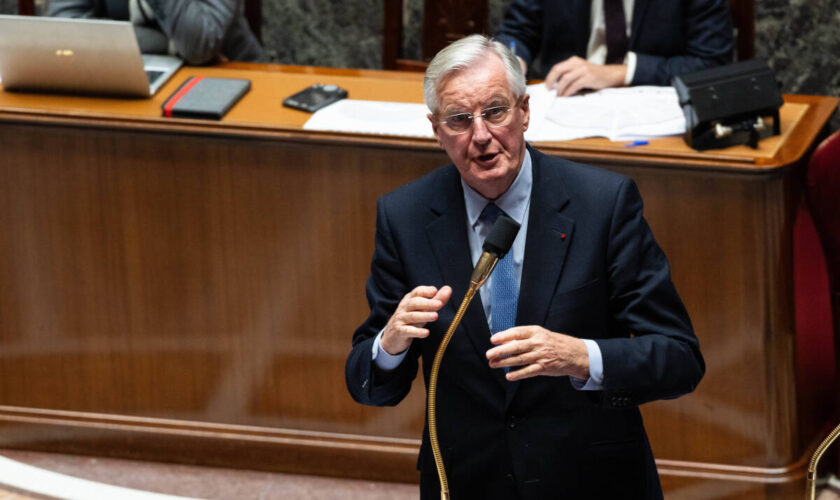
481	85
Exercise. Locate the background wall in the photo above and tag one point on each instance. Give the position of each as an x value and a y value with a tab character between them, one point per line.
800	39
8	6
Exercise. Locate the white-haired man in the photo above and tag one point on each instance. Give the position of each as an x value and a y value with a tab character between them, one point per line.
539	388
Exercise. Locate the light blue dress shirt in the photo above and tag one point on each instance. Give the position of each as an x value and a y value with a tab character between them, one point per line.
516	203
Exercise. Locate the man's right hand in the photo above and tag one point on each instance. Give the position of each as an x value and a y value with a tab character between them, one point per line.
569	77
418	307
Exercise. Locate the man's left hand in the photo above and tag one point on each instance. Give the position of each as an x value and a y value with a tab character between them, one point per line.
539	352
575	74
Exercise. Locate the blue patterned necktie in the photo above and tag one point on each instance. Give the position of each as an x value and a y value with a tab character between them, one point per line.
504	293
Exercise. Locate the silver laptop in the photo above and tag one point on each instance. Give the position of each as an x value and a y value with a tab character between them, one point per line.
47	54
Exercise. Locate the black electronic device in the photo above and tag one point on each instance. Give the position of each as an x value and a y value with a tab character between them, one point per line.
315	97
733	104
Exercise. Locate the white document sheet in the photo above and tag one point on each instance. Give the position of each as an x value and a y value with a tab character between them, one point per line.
540	128
619	114
373	117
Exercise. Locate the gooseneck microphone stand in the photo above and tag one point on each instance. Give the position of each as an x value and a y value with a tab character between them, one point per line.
811	483
495	247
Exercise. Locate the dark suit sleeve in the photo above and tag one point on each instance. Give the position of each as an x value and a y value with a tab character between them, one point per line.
707	28
150	39
660	357
385	287
522	24
200	28
72	8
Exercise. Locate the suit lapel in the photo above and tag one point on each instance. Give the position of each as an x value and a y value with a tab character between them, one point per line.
448	239
639	8
549	235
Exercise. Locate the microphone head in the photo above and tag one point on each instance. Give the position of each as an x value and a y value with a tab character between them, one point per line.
501	236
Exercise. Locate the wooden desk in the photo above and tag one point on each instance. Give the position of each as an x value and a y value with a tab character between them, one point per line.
185	290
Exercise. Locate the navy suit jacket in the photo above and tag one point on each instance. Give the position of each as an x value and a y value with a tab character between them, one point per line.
670	37
592	269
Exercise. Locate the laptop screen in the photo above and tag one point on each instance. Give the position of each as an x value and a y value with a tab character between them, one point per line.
82	56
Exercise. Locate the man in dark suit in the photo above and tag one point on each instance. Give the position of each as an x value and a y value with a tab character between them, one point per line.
547	408
580	48
199	31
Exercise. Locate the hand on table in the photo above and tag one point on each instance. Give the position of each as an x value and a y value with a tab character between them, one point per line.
576	74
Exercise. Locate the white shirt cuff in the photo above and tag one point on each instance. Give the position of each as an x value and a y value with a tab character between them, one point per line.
383	359
630	62
596	369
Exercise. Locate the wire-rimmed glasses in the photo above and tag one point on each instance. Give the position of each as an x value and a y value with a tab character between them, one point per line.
494	116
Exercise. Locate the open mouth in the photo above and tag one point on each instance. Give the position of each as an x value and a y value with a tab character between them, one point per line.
487	157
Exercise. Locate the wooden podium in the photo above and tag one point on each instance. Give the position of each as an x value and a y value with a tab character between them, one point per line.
186	290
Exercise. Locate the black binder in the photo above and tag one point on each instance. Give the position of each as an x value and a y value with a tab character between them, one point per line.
734	104
202	97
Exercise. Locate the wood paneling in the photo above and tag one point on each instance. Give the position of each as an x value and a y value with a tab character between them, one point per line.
443	23
185	290
155	273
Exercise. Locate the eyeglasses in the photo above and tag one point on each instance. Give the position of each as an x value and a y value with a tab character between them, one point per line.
459	123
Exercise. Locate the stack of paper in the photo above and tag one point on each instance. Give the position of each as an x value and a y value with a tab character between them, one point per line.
617	114
373	117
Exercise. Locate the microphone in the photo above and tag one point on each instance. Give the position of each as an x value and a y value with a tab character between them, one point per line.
496	245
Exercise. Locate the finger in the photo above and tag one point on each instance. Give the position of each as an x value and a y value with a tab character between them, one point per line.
518	359
565	85
515	333
563	69
443	295
421	304
551	78
562	83
413	331
494	353
422	291
577	82
554	74
529	371
506	349
418	317
513	360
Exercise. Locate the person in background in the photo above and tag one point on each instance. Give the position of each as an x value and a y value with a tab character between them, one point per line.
611	43
198	31
579	324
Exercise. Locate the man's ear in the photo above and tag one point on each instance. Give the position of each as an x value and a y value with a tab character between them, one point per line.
435	126
526	109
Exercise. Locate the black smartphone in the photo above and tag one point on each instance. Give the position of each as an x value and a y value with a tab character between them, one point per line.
315	97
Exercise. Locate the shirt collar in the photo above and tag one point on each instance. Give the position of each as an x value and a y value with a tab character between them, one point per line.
513	202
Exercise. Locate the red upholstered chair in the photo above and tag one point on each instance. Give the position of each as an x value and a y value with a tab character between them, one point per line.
822	192
817	282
